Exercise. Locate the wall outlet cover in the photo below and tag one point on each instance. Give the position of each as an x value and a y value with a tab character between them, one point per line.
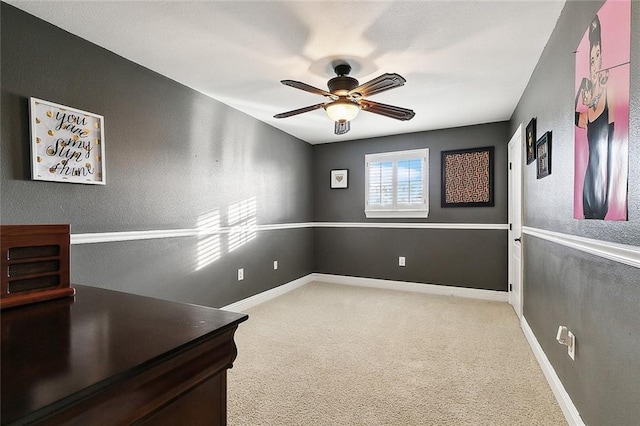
240	274
401	261
571	347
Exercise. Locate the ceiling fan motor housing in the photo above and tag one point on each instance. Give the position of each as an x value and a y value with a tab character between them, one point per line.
341	84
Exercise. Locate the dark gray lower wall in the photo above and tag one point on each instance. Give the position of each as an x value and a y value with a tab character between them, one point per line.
460	258
173	156
463	258
599	300
169	268
596	298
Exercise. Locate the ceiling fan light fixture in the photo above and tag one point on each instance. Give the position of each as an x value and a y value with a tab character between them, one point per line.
347	97
342	110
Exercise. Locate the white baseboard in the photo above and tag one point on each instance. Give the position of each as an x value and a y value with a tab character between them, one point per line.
472	293
568	409
259	298
443	290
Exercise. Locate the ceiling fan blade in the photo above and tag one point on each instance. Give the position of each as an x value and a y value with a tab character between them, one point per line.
342	127
391	111
307	88
298	111
379	84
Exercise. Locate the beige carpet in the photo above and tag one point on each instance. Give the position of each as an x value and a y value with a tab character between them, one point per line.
327	354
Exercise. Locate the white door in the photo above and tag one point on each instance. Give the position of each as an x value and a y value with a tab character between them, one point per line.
515	221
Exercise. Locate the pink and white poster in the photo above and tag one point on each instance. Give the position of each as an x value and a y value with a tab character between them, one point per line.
602	115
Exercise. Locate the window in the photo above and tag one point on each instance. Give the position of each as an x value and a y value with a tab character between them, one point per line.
397	184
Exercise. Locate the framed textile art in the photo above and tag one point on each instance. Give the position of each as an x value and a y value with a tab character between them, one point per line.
467	177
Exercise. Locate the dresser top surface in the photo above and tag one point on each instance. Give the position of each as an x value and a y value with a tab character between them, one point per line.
54	349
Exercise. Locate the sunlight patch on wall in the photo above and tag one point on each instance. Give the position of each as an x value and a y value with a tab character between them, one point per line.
242	220
208	239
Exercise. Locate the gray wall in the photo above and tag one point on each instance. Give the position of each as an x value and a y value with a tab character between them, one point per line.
462	258
172	155
596	298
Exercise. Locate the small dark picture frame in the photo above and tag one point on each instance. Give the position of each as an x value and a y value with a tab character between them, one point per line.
543	156
531	141
467	178
340	178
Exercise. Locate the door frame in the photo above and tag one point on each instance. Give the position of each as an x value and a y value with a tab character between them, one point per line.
515	166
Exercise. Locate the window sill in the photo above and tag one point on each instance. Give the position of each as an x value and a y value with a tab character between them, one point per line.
396	214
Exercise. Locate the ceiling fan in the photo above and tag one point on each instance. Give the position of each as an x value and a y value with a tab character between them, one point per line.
347	98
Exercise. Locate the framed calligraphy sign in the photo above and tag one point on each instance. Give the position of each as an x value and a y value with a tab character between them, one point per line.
67	144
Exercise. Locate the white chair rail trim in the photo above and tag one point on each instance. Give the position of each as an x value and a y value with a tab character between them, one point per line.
107	237
410	225
627	254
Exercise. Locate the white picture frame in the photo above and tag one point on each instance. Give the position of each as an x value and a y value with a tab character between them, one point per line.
340	178
67	144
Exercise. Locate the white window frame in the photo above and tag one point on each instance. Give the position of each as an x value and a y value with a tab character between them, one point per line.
398	210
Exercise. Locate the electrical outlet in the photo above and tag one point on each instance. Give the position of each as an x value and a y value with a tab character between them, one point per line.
240	274
275	265
571	347
401	261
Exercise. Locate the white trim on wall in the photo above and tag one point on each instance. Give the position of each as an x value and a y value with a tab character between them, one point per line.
107	237
410	225
627	254
250	302
564	400
439	290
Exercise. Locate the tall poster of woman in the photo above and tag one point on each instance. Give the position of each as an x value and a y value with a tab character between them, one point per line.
602	115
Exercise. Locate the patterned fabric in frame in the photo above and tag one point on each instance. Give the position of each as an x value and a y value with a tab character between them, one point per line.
467	177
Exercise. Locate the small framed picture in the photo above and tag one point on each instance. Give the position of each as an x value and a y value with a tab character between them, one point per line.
531	141
543	156
339	178
67	144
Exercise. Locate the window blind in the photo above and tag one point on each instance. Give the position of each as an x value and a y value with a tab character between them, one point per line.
396	184
410	181
381	183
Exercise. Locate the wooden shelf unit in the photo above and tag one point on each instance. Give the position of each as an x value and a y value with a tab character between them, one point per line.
35	264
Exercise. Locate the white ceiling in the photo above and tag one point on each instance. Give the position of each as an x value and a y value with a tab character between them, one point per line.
465	62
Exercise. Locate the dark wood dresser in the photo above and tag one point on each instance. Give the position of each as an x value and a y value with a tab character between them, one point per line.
110	358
